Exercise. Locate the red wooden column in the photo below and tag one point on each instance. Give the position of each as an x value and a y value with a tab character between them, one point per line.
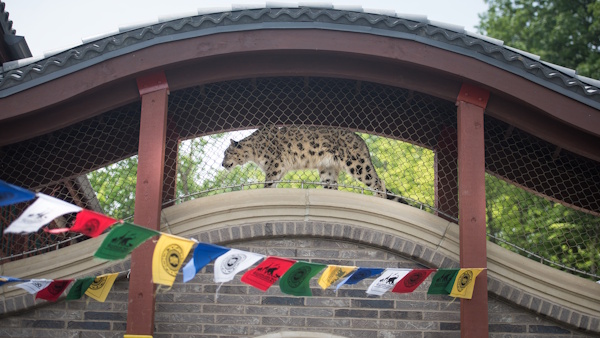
148	197
471	104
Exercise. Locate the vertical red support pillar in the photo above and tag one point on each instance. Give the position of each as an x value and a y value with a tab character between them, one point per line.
148	198
471	104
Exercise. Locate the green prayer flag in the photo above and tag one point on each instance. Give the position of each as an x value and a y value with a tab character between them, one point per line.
442	282
297	279
122	239
79	288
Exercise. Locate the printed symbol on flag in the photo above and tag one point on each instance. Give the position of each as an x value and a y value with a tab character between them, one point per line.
361	274
414	279
36	217
37	284
268	271
298	277
445	279
91	225
464	280
391	279
385	281
98	283
118	243
57	287
171	259
5	195
231	264
339	273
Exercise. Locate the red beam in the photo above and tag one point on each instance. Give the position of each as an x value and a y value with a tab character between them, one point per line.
471	104
151	157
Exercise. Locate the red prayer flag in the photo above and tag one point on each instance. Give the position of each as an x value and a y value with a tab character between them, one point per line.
268	272
412	280
91	223
54	290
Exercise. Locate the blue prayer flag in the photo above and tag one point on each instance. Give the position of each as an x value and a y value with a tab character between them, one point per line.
362	273
10	194
203	254
6	279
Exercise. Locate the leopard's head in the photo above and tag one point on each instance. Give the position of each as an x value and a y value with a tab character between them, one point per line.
235	154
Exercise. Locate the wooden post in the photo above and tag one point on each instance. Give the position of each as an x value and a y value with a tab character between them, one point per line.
148	198
471	104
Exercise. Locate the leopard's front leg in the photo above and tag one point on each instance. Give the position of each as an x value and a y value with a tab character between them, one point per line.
272	173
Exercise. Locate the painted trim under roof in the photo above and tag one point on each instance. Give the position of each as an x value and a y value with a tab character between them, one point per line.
559	79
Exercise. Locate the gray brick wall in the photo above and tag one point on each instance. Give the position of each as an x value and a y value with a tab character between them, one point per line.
197	309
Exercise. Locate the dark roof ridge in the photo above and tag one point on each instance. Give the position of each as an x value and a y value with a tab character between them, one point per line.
5	24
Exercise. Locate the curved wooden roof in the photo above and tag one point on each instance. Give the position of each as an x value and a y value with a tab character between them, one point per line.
72	86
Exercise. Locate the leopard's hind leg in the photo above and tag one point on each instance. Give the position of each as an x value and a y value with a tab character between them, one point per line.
329	177
361	168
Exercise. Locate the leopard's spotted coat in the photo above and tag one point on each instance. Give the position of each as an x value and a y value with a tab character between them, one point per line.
329	150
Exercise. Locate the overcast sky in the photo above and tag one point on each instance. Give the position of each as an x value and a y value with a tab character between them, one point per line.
56	24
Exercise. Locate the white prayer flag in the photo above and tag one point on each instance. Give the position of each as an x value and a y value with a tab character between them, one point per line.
34	286
387	281
40	213
232	262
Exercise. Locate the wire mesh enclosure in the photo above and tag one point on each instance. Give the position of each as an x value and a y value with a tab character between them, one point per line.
541	201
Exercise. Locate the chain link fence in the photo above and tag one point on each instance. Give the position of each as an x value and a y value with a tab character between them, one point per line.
536	193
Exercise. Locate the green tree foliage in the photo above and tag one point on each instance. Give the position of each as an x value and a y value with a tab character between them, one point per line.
199	171
115	187
406	169
549	231
564	32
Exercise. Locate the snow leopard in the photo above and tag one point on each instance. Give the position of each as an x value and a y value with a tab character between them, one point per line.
277	150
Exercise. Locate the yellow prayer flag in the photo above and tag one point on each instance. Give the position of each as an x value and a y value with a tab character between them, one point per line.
169	254
464	283
333	273
101	286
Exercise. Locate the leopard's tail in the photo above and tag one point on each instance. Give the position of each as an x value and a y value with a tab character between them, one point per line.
390	196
